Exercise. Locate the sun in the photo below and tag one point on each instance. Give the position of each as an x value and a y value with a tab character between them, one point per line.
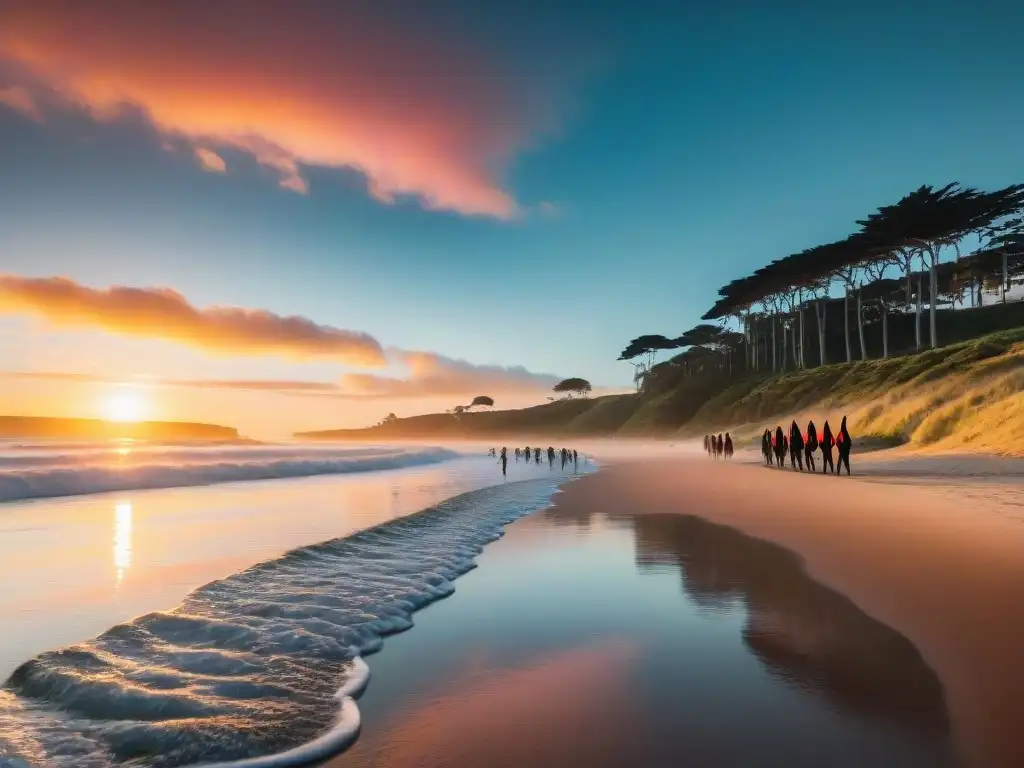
125	404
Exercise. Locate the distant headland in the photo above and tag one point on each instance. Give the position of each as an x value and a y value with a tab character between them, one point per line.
46	427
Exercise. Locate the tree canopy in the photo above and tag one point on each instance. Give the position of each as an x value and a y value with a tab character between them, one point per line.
573	385
482	400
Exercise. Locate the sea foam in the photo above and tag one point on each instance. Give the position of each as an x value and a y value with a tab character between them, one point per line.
259	669
34	473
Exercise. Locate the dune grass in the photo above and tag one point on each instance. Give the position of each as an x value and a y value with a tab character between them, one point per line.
967	396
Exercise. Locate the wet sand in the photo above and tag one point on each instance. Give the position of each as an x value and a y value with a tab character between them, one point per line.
595	633
942	565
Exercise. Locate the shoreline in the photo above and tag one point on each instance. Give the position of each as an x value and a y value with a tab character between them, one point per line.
942	569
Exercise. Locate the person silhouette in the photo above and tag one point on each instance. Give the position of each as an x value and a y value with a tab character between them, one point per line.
796	447
845	444
811	446
504	462
827	443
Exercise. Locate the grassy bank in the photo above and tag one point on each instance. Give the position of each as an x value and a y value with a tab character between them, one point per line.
966	396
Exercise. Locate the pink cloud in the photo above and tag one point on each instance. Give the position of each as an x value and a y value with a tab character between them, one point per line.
434	375
210	160
309	84
20	98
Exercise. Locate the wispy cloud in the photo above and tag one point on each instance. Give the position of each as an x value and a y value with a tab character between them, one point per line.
419	113
20	98
210	160
430	375
434	375
163	313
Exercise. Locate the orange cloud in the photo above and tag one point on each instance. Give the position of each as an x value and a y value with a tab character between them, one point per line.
165	314
434	375
210	160
310	84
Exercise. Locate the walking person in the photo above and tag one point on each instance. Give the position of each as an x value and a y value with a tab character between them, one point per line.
504	462
796	447
845	445
827	444
811	446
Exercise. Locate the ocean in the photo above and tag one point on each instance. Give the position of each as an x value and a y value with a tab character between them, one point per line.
229	619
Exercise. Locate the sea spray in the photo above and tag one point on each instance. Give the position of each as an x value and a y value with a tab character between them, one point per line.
251	665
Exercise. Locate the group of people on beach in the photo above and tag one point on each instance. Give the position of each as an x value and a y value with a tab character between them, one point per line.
718	447
801	447
568	456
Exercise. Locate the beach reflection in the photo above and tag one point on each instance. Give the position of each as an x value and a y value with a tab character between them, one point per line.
122	540
802	632
736	657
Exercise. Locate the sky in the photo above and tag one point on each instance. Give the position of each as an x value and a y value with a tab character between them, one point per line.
297	216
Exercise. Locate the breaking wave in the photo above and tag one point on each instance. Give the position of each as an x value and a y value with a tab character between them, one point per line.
260	667
32	473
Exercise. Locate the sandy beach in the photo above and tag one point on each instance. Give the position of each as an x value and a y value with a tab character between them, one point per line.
941	564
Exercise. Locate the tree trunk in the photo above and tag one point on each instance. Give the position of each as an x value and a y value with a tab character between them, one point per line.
1005	285
796	354
753	347
775	347
885	329
860	327
933	296
785	344
820	311
803	357
917	317
846	325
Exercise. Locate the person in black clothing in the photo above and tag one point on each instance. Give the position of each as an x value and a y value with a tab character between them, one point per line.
504	461
575	457
719	445
728	446
796	447
827	444
845	445
766	447
536	454
810	446
565	458
780	447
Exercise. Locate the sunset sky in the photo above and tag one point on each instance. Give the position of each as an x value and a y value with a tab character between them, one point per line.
306	215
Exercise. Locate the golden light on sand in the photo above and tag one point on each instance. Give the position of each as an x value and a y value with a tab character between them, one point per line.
125	404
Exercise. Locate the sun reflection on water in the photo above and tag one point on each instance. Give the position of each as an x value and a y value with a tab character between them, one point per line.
122	539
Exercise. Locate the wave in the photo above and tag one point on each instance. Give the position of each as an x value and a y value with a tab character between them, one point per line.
259	669
47	474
